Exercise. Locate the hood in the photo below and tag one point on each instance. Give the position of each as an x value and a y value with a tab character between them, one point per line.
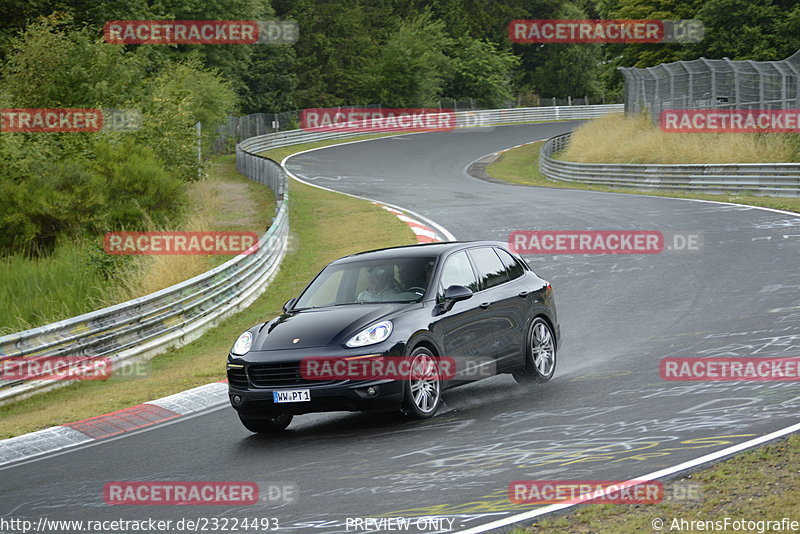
321	327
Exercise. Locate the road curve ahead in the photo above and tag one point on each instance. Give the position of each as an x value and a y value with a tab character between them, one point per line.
606	415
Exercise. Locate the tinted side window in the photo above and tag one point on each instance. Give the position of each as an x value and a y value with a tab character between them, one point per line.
457	271
515	270
491	270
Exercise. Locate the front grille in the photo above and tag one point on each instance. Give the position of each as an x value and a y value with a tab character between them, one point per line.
269	375
237	378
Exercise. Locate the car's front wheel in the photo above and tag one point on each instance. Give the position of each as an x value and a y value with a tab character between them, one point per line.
269	423
424	387
540	354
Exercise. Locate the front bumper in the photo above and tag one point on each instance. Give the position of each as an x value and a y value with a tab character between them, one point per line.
348	397
251	397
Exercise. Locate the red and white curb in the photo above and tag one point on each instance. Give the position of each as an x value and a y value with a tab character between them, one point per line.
112	424
424	232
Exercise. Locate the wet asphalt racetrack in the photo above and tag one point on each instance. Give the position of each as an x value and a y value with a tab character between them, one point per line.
606	415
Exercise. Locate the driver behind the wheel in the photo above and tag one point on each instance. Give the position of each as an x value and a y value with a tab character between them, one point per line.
381	285
415	275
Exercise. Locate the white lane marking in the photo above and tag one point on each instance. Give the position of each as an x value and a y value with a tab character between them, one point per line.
650	476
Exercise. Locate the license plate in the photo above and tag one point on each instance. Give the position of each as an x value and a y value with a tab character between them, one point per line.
292	395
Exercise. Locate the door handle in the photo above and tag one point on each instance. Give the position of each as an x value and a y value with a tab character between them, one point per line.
485	305
524	294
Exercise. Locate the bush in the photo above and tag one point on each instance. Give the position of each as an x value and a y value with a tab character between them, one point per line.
141	193
57	197
73	184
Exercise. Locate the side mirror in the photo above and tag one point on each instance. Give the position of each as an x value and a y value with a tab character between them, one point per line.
455	294
289	304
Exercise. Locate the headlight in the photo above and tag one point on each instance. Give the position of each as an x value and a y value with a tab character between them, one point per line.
371	335
243	344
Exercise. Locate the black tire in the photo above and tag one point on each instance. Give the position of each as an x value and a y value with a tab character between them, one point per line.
266	424
423	396
540	354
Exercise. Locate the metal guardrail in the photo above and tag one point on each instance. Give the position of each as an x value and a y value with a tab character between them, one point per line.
239	128
464	119
168	318
765	179
179	314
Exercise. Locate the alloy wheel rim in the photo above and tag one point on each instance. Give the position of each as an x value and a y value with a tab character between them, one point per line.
424	382
543	349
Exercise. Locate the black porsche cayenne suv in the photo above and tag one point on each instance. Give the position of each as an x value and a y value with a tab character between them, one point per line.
428	317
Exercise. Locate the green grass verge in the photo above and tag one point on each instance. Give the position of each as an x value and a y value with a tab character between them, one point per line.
521	166
324	226
245	205
756	485
37	291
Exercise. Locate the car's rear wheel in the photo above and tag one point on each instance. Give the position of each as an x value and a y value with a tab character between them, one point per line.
540	354
424	387
269	423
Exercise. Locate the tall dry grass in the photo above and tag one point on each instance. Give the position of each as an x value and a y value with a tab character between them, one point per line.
147	274
620	139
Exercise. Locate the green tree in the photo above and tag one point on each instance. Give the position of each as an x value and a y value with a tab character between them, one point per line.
482	72
176	100
563	70
412	65
761	30
338	41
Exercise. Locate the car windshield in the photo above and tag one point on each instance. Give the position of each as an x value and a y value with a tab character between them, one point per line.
384	280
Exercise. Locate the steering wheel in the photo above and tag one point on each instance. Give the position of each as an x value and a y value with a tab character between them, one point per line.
416	289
